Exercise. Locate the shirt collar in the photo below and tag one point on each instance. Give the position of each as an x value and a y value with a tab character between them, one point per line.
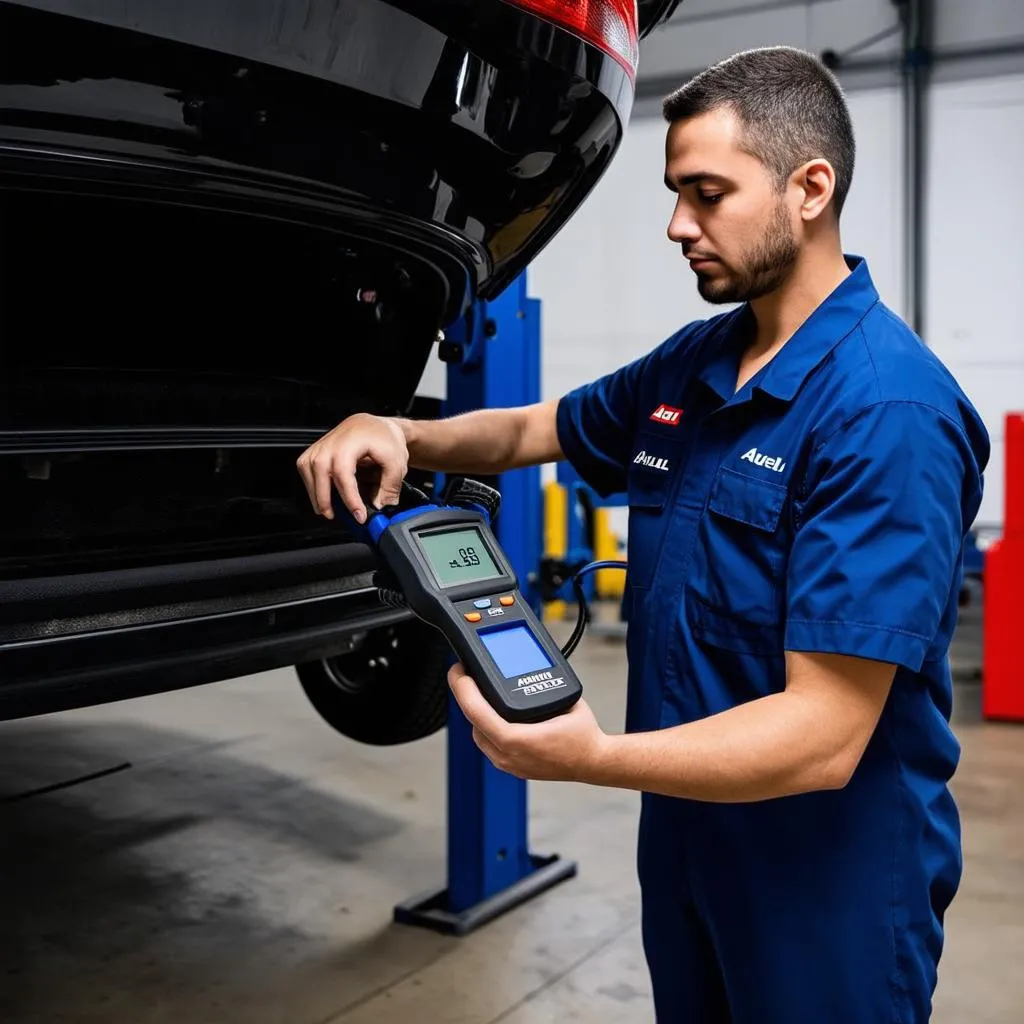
832	321
734	335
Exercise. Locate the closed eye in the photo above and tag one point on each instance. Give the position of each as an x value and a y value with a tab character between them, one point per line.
710	199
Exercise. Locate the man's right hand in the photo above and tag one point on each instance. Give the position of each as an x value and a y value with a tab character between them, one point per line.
365	457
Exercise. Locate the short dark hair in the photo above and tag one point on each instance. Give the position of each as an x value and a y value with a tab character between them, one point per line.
790	106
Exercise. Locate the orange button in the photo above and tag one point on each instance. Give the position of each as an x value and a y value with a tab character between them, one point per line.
506	601
472	616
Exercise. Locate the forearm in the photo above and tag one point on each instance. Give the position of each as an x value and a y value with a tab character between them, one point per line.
775	746
483	441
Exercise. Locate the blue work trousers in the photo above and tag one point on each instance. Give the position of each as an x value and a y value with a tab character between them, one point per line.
750	919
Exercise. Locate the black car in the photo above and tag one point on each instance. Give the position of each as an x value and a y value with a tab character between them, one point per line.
224	226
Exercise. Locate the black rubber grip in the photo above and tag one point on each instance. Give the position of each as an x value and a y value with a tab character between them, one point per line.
463	491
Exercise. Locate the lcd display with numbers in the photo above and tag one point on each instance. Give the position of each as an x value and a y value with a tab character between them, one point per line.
458	556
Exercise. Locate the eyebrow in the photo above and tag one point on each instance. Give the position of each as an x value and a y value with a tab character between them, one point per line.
694	179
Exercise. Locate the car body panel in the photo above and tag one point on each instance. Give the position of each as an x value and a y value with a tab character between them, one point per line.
225	225
466	132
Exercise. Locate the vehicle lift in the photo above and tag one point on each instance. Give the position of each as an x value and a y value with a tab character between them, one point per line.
579	535
493	357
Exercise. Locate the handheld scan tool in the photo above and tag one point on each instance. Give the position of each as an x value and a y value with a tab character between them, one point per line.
444	562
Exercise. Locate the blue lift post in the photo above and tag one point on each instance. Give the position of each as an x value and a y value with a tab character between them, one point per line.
494	361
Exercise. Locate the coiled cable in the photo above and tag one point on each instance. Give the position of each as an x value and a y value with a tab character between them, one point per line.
583	609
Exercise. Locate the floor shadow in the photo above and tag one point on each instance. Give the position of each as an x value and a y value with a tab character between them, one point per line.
106	871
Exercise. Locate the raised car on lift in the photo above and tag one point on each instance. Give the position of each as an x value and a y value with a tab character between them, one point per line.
224	227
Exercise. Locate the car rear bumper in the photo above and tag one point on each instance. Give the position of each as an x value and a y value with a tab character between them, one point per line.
52	661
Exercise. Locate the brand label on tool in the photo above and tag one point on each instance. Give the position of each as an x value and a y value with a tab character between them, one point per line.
667	414
650	461
539	682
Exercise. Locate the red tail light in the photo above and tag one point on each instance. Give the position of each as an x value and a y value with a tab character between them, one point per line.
610	25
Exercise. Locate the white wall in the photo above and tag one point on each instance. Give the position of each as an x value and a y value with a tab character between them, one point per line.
614	286
705	31
975	267
959	23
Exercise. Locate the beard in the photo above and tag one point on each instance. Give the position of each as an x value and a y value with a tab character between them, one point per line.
765	266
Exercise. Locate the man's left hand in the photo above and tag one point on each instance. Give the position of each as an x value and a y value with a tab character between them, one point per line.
566	748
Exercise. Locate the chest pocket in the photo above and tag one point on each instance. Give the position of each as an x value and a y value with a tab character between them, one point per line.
649	492
735	592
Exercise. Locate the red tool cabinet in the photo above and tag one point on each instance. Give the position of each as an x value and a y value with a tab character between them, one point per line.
1003	588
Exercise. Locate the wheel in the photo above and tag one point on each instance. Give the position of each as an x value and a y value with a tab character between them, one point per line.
390	688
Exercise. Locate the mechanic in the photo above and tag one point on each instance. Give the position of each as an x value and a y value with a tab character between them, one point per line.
801	474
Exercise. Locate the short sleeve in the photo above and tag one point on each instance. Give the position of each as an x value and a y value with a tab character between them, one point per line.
596	423
879	538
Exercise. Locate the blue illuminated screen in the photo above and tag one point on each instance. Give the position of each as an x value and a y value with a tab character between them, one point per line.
515	651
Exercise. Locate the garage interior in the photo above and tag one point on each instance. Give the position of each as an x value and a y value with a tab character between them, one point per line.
220	854
244	869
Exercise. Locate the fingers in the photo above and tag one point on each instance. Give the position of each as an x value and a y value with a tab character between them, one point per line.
342	474
320	471
489	750
331	463
476	708
306	473
391	476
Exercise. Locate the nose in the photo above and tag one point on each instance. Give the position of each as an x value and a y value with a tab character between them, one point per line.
683	227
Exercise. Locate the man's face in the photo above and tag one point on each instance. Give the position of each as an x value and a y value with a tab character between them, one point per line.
732	223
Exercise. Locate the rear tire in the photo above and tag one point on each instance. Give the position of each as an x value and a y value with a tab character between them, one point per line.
391	688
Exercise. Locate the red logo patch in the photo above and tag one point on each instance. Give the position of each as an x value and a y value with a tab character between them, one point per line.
667	414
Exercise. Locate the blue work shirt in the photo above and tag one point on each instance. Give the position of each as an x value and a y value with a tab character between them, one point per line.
823	507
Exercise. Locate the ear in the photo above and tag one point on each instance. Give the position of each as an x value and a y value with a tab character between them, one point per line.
817	180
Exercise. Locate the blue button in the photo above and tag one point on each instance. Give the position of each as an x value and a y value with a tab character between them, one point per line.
484	602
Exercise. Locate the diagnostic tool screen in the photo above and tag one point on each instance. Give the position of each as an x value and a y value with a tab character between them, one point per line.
459	556
515	651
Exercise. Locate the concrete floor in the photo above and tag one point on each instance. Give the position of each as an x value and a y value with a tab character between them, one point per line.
245	867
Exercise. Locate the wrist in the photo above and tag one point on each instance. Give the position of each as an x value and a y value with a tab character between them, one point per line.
403	429
599	767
